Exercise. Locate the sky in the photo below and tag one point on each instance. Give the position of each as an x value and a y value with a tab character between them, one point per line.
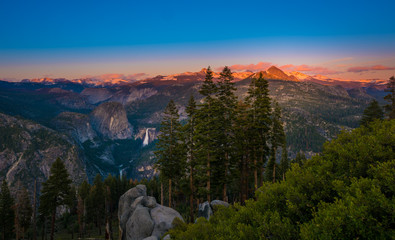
136	39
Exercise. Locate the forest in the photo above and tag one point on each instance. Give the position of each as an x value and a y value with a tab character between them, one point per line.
234	150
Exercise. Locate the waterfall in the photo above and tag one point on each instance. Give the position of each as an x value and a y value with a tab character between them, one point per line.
146	138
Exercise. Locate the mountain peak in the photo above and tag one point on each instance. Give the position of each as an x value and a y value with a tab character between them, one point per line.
275	73
274	69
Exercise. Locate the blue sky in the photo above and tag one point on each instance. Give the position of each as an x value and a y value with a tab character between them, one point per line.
79	38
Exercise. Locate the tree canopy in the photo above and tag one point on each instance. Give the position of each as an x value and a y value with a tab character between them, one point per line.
346	192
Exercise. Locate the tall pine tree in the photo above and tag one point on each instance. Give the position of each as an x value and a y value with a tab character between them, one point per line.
226	116
23	213
169	159
6	212
83	193
284	162
207	131
96	201
243	133
56	192
277	139
390	98
189	132
260	122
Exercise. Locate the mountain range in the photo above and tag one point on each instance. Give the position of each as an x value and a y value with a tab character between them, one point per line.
110	127
271	73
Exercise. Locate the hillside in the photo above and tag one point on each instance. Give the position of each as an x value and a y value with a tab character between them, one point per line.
28	149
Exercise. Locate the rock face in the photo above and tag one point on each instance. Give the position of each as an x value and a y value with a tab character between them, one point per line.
28	149
96	95
76	125
206	209
109	119
132	94
140	217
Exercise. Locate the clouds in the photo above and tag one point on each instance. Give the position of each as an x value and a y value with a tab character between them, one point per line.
261	66
309	69
371	68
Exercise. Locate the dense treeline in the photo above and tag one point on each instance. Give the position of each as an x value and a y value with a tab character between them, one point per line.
87	210
227	148
347	192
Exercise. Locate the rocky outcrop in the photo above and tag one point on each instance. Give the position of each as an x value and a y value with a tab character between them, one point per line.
76	125
28	150
207	209
140	217
109	119
132	94
96	95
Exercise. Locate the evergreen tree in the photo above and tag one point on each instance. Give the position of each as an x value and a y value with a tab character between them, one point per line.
168	154
23	213
277	139
390	108
284	163
278	134
55	192
270	171
6	212
243	135
260	123
372	112
190	146
207	131
110	198
83	193
96	202
300	158
226	116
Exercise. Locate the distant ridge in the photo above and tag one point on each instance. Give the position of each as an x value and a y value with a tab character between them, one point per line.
273	73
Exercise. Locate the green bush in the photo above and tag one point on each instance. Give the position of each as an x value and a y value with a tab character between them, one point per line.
347	192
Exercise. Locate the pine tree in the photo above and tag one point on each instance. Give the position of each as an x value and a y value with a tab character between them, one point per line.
207	131
284	163
300	158
260	123
372	112
226	116
243	133
6	212
96	202
110	198
270	171
277	139
390	98
83	193
23	212
168	154
189	132
56	192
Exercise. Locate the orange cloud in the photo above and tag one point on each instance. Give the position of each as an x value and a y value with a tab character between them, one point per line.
310	69
248	67
371	68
